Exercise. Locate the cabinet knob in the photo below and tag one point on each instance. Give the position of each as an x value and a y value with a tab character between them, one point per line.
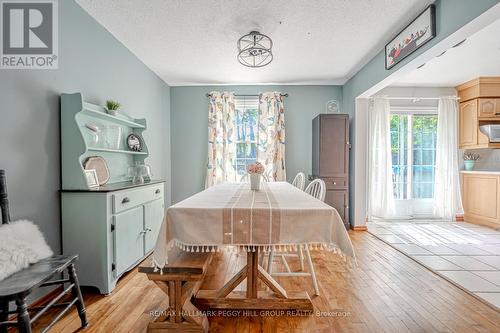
145	231
157	191
334	183
125	200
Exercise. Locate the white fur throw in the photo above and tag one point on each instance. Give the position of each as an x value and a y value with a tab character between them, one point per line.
21	244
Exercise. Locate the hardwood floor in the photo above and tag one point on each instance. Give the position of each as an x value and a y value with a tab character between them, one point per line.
387	292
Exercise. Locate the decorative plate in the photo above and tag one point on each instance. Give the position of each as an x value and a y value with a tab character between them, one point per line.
134	142
100	166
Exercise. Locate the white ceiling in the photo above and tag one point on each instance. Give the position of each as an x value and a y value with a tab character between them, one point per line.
478	56
193	42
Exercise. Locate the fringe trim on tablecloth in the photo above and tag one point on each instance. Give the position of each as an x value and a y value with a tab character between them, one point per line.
265	248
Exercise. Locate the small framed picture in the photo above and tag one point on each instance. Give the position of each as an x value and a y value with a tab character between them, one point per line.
421	30
91	178
134	142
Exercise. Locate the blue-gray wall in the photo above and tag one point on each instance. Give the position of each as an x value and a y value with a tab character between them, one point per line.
451	15
189	123
93	62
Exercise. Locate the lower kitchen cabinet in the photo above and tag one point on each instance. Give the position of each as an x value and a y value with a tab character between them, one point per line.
111	231
480	198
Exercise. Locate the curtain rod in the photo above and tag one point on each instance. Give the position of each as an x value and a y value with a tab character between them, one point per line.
254	95
421	98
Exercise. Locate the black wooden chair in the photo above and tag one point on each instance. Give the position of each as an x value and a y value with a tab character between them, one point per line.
47	272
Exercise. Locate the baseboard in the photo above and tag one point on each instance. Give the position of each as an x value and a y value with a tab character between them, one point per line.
359	228
42	300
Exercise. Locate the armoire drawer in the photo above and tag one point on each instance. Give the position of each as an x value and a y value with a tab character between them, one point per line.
335	183
129	199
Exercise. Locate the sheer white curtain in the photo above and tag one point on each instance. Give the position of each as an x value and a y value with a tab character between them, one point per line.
381	192
447	200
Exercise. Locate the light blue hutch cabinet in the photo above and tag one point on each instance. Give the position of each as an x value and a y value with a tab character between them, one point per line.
112	227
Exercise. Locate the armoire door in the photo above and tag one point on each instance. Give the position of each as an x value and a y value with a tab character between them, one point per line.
334	146
339	200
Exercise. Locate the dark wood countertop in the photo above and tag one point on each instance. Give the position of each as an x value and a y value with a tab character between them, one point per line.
114	187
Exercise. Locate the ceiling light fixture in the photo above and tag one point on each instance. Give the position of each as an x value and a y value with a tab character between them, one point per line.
255	50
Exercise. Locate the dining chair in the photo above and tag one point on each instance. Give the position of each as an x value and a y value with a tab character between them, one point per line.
317	188
299	181
57	270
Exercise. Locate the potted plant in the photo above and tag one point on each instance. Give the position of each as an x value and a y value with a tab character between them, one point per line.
469	160
255	172
112	107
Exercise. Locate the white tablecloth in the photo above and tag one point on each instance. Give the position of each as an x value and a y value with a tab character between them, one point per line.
279	216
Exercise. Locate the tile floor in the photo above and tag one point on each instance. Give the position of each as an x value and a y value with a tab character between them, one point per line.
465	254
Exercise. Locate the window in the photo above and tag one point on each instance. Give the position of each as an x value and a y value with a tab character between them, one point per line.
246	132
413	146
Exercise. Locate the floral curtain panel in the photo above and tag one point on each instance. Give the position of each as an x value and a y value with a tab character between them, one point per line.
221	139
271	137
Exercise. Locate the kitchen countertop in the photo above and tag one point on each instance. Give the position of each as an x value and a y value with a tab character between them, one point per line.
486	172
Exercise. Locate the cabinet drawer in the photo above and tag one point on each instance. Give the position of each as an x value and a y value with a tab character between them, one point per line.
489	107
129	199
335	183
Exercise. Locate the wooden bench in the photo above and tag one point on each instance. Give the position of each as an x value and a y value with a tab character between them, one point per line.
180	280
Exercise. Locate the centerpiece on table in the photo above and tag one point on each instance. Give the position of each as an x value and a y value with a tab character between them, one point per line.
255	171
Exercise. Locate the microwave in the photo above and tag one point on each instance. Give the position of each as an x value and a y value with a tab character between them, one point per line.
491	131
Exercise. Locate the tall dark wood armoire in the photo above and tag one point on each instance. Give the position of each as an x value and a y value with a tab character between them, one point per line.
331	159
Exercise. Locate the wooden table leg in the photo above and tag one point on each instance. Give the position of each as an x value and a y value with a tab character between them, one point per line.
252	299
252	273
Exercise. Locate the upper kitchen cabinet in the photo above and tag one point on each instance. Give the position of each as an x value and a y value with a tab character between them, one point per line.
479	105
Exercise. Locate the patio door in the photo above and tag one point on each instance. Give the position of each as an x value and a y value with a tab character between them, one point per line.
413	147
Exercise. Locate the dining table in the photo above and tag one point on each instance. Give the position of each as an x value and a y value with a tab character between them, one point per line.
233	217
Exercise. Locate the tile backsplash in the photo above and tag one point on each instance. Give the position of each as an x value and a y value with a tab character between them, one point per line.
489	160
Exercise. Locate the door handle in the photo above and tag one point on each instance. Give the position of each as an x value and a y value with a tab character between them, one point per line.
157	191
125	200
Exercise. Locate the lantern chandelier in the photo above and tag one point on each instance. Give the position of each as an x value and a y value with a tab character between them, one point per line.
254	50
